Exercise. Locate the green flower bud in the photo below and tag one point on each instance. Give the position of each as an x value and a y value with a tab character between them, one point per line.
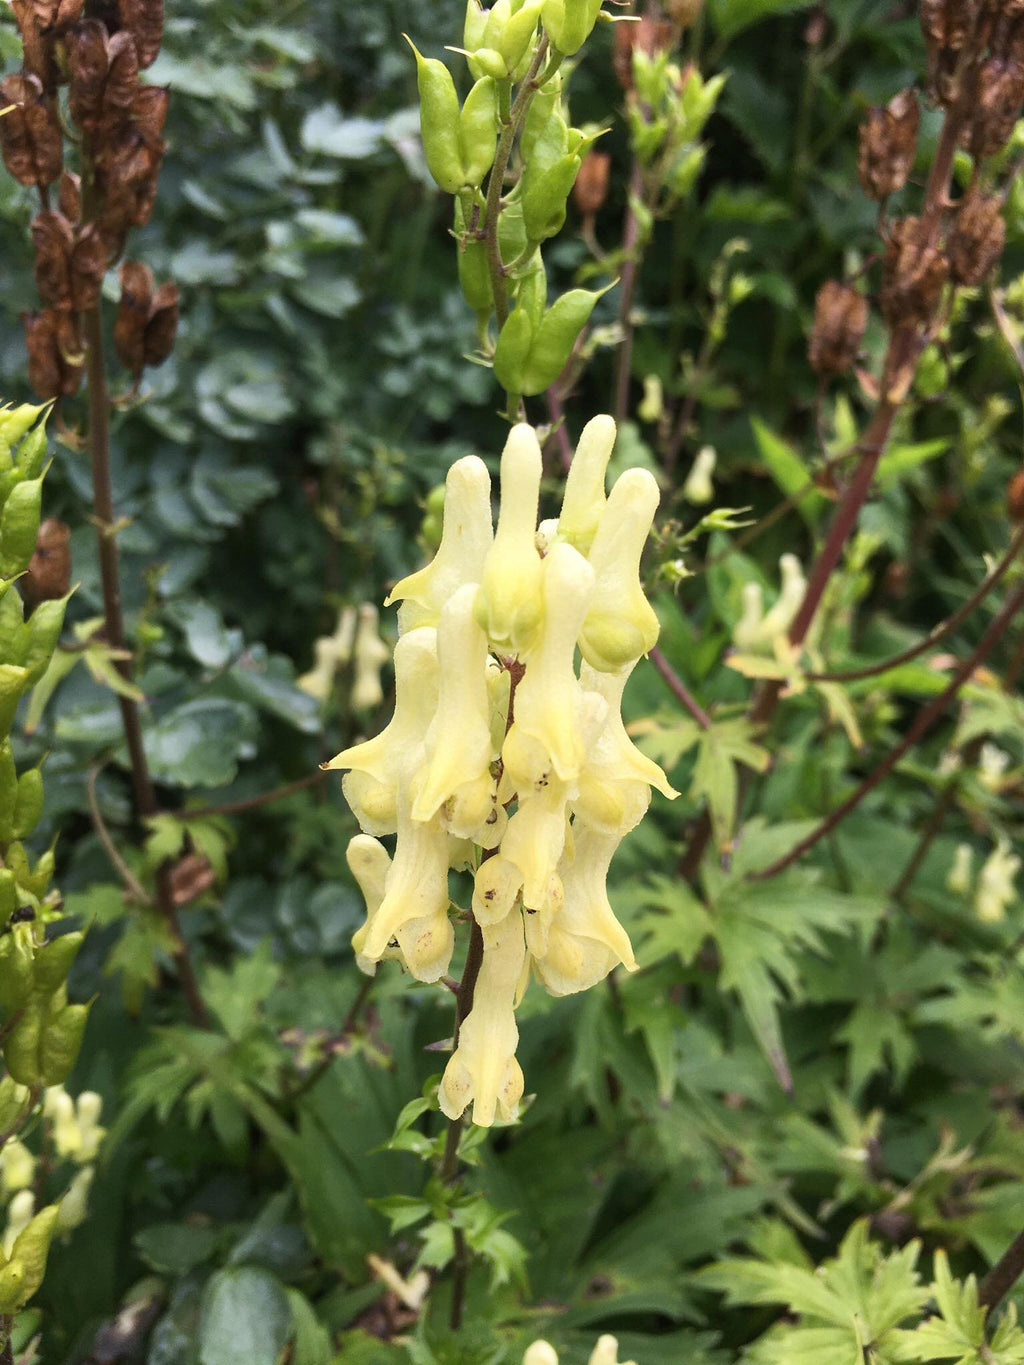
28	806
478	131
569	23
474	273
545	198
19	526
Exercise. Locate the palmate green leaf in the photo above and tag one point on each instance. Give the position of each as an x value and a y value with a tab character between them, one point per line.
858	1298
959	1333
761	928
990	711
722	748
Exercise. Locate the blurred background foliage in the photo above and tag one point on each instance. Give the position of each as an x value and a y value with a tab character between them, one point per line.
274	470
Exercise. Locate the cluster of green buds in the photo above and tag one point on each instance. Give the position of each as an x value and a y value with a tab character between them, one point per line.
510	157
40	1030
503	757
668	107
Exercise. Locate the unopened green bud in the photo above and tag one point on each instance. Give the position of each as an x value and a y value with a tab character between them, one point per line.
478	131
28	806
439	122
569	23
545	198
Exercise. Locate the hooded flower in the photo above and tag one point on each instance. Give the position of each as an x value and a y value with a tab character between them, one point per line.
466	538
584	499
510	606
621	624
371	788
483	1069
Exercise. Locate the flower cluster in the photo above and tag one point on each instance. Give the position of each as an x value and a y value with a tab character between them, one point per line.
501	756
606	1352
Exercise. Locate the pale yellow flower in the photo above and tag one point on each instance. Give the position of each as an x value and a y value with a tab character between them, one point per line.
466	537
585	940
370	654
455	779
483	1069
510	606
698	487
584	499
621	623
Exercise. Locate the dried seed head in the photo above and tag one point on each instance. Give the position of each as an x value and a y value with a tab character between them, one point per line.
52	241
976	240
133	314
946	23
42	24
840	318
30	138
1015	497
591	188
912	276
55	356
162	326
49	572
1000	96
87	71
144	20
70	196
88	266
122	80
149	110
190	877
649	35
888	137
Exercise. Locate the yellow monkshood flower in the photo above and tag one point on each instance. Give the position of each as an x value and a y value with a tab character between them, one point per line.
456	775
584	498
510	605
483	1069
370	654
621	624
466	537
371	788
502	758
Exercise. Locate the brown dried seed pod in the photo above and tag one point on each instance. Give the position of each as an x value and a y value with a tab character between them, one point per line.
591	187
162	326
946	23
144	20
88	266
190	877
1000	96
888	137
840	319
149	110
48	575
912	277
1015	497
53	239
133	314
30	137
55	358
87	70
976	240
122	81
70	196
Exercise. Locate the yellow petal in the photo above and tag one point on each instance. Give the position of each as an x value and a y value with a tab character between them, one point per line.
509	607
535	839
483	1068
465	540
414	909
621	624
368	862
584	499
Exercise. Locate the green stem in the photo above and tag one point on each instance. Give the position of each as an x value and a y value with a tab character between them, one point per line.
496	181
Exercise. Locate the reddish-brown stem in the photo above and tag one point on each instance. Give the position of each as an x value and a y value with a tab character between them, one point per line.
939	632
679	689
1003	1275
627	294
251	802
559	431
110	579
923	722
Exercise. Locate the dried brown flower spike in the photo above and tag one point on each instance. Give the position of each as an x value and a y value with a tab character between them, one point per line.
913	276
977	237
147	319
55	356
30	138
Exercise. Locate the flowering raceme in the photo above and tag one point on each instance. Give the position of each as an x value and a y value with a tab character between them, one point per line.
503	755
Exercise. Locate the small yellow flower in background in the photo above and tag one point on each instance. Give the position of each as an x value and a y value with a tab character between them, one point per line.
606	1352
996	890
652	405
992	765
75	1204
503	759
958	880
698	487
20	1212
757	630
330	652
369	654
18	1166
